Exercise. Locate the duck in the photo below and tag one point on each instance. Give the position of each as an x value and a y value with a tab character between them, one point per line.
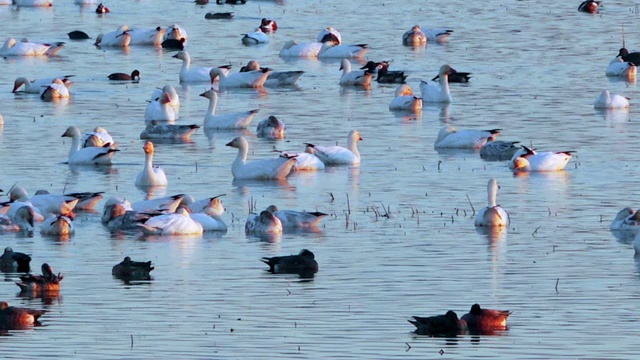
176	32
211	206
15	318
296	219
150	175
264	169
527	159
354	78
456	77
21	220
625	55
201	2
191	74
178	223
626	219
57	225
232	2
330	50
173	95
329	34
268	25
384	75
414	37
493	215
405	100
174	44
34	3
78	35
304	264
338	155
147	36
168	204
36	86
438	92
24	47
118	38
254	38
101	9
55	91
99	137
447	325
275	78
247	79
497	150
449	137
589	6
606	100
132	270
14	261
436	35
219	15
47	282
239	120
292	48
271	127
156	130
160	110
620	68
481	320
88	155
264	224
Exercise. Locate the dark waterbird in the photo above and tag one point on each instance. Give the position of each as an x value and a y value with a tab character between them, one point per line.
633	57
14	261
589	6
47	282
303	264
447	325
174	44
201	2
456	77
135	76
14	318
486	321
78	35
132	270
101	9
232	2
220	15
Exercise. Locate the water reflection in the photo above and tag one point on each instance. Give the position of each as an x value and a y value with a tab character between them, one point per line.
243	186
624	236
612	117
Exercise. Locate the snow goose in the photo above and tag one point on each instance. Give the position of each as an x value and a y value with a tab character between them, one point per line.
175	32
405	100
173	95
117	217
264	224
438	91
55	91
132	270
527	159
414	37
625	220
12	47
160	110
305	161
303	264
99	137
12	261
589	6
150	175
275	78
268	25
499	150
620	68
247	79
338	155
606	100
179	223
22	220
306	50
329	35
85	200
239	120
255	38
191	74
296	219
101	9
167	204
271	128
436	35
89	155
155	130
36	86
449	137
493	214
147	36
117	38
135	76
354	78
331	51
211	206
209	222
34	3
265	169
57	225
636	245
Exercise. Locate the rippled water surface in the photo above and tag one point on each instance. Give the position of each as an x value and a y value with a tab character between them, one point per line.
537	68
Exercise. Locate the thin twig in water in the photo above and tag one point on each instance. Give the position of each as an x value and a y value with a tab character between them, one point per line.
557	281
472	208
535	231
332	198
408	347
348	205
132	341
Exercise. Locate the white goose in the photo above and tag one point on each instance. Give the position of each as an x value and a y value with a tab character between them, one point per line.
155	130
405	99
493	215
192	74
89	155
529	160
239	120
86	200
36	86
329	34
167	204
437	35
266	169
179	223
296	219
433	91
55	91
625	220
338	155
160	110
247	79
117	38
208	222
357	77
211	206
275	78
264	224
255	38
57	225
176	32
329	50
12	47
620	68
22	220
150	175
606	100
271	127
449	137
308	161
147	36
414	37
173	95
306	50
99	137
44	203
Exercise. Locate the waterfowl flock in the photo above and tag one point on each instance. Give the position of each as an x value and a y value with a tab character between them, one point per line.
312	145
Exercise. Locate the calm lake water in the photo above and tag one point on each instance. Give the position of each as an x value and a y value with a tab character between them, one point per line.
537	69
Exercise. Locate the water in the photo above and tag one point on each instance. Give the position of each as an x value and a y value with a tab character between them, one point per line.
536	72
